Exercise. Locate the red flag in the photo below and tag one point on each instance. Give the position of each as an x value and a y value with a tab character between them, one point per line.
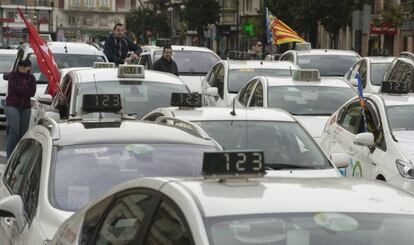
44	56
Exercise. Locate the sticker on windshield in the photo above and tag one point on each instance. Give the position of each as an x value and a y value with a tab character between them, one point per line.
139	149
336	221
310	94
246	70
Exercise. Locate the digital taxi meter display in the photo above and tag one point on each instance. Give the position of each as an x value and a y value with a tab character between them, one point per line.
186	99
101	103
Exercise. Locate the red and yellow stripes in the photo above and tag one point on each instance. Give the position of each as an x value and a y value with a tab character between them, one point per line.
283	33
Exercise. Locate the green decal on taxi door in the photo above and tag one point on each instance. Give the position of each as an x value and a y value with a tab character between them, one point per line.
357	170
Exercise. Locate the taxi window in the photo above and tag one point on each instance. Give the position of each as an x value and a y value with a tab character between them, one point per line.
363	73
311	229
400	117
245	93
238	77
328	65
294	145
377	72
309	100
257	96
83	172
351	119
6	62
138	98
185	61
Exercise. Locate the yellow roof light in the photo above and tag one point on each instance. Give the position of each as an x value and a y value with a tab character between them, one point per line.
131	71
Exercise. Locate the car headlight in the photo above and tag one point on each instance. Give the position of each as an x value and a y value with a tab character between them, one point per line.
406	169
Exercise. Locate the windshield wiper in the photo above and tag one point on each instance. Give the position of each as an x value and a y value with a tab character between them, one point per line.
279	166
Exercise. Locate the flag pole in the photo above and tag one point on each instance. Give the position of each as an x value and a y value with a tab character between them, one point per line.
265	15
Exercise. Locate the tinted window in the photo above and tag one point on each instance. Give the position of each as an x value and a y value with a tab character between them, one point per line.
121	224
311	229
377	72
82	172
239	77
186	61
257	96
138	98
66	61
309	100
328	65
168	227
6	62
401	117
244	95
282	142
351	119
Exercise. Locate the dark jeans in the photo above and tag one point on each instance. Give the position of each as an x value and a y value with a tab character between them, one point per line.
17	124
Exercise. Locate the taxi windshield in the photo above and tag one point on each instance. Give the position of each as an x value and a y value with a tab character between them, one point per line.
309	100
328	65
6	62
81	173
65	61
187	66
400	117
238	77
377	72
285	144
311	229
138	97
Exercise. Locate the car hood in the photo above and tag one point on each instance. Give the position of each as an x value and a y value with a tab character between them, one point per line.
304	173
406	142
50	222
193	82
314	124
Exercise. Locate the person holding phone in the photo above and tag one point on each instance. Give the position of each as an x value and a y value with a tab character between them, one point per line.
21	87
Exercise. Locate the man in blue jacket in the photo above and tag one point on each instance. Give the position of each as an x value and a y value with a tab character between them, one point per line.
117	46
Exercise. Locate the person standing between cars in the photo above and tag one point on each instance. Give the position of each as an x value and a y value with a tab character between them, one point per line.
166	63
117	46
21	87
256	52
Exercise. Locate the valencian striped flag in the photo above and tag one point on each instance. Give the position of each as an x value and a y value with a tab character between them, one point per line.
281	32
44	56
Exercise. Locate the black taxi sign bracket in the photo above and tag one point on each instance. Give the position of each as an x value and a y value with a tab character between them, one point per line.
233	164
103	65
186	99
393	87
307	75
131	71
101	103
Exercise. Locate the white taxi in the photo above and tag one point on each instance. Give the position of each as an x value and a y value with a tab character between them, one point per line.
227	77
193	62
309	98
141	90
371	71
58	167
329	62
288	148
231	206
379	147
7	57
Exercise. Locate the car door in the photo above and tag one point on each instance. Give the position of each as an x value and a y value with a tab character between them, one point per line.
216	80
168	226
62	102
22	177
342	136
245	93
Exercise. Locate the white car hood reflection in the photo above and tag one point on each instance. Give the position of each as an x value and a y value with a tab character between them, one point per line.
406	142
304	173
314	124
193	82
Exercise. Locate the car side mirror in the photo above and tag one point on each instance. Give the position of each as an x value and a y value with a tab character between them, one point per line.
364	139
212	91
354	82
12	206
340	160
6	76
45	99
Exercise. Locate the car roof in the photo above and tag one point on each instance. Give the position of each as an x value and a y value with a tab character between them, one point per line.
284	195
8	51
107	74
240	64
69	48
150	49
380	59
223	113
397	99
75	132
325	81
327	52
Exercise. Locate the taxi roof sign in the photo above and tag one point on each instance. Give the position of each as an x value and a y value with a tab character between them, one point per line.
103	65
233	164
303	47
307	75
131	71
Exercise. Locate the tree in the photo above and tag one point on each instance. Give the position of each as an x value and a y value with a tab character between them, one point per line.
142	20
199	14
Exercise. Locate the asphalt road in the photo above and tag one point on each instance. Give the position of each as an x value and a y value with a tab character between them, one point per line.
2	146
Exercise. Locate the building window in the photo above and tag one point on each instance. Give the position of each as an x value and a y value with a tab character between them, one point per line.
90	3
75	2
17	2
11	15
104	3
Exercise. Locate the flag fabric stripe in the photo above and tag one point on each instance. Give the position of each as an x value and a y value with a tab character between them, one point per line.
44	56
281	33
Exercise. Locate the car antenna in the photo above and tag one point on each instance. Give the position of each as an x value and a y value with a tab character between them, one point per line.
96	91
233	112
